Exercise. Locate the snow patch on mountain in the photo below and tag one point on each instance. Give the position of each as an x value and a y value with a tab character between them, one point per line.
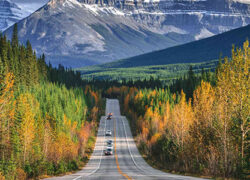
87	32
72	3
170	28
155	1
95	9
242	1
204	33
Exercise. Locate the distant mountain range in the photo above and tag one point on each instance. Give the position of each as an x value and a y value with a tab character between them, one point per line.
198	51
84	32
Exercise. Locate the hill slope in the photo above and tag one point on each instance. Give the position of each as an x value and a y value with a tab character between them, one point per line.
10	13
194	52
172	62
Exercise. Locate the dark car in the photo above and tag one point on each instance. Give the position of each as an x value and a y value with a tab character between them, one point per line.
109	116
109	142
108	151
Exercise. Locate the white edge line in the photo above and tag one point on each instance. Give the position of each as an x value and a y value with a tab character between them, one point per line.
100	157
152	175
129	148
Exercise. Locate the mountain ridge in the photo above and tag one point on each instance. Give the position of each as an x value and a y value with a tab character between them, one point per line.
194	52
10	13
75	33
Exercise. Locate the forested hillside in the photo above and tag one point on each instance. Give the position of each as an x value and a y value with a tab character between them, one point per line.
193	52
206	133
47	121
167	64
198	124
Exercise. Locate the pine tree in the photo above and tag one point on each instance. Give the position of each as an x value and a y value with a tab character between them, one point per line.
14	40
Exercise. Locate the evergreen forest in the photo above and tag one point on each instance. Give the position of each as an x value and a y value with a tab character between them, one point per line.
195	124
48	120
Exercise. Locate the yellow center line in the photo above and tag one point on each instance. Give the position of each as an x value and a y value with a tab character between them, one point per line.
116	157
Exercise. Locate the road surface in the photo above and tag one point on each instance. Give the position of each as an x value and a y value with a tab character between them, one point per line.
126	163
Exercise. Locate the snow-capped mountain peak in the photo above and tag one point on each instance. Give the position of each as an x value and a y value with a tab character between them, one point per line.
84	32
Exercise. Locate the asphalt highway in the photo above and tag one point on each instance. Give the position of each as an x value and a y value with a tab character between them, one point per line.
126	162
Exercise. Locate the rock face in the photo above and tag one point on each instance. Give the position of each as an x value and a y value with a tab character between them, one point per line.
10	13
83	32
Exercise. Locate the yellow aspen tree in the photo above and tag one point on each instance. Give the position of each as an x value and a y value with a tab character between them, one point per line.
156	122
182	118
203	102
2	177
223	112
27	126
7	111
202	130
94	113
47	139
83	136
126	102
166	115
240	86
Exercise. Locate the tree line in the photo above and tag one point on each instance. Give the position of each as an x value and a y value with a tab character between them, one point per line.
202	127
48	119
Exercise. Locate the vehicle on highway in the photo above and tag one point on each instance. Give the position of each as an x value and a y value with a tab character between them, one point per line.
108	151
110	146
108	133
109	142
109	116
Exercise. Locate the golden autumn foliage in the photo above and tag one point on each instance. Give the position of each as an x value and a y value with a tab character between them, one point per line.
2	177
7	109
233	106
207	134
42	110
126	101
83	136
182	117
21	174
41	132
95	96
94	113
203	103
27	126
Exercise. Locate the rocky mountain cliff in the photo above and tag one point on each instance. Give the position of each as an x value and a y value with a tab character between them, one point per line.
84	32
10	13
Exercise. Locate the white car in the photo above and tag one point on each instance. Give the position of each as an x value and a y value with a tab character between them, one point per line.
108	133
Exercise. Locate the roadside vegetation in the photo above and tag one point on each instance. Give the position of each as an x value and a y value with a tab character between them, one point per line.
194	122
199	124
48	117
